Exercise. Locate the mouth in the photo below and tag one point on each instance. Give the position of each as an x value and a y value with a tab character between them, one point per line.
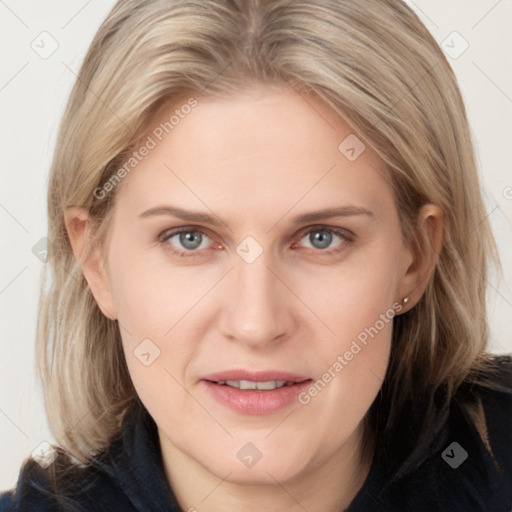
255	393
247	385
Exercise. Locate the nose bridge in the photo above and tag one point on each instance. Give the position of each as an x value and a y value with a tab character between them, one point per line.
256	312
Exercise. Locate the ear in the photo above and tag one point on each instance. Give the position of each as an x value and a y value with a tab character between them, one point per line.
79	229
423	258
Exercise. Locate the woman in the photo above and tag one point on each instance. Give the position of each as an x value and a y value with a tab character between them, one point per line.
266	284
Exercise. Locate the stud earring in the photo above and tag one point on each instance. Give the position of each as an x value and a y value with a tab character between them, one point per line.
405	300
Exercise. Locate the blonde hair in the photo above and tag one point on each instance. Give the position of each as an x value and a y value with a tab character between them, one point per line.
377	66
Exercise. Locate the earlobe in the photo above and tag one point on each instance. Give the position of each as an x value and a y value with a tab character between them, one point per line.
78	227
423	258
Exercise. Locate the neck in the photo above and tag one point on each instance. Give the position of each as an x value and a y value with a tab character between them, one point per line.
329	487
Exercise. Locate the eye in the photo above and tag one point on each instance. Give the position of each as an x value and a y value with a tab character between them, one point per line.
188	240
322	237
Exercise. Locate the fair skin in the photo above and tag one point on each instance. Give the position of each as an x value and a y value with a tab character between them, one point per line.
255	161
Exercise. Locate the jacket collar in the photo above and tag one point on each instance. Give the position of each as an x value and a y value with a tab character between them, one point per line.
134	460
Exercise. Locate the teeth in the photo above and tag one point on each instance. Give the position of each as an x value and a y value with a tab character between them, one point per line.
247	384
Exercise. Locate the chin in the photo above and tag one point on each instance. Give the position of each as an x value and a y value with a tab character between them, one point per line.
262	473
258	463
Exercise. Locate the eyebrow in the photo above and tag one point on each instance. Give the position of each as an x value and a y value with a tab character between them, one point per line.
206	218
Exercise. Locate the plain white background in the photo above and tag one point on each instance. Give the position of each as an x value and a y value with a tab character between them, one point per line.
34	87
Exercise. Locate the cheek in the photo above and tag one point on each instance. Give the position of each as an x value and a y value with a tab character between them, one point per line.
153	313
151	294
353	296
357	303
159	310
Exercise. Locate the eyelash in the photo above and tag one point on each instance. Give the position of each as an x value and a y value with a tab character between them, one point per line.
347	238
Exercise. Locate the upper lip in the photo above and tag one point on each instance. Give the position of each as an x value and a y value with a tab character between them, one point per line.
259	376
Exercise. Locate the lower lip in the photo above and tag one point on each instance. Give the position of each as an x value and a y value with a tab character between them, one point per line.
256	401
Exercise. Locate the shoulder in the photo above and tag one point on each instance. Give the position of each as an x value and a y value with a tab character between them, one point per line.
63	486
126	476
494	423
467	464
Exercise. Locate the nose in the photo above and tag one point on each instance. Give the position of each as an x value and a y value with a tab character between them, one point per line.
257	310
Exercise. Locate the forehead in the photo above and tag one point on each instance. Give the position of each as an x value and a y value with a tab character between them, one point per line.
261	151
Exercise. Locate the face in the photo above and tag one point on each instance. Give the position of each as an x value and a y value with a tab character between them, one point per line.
226	271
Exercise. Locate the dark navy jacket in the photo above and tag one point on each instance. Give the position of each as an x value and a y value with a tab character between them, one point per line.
455	473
